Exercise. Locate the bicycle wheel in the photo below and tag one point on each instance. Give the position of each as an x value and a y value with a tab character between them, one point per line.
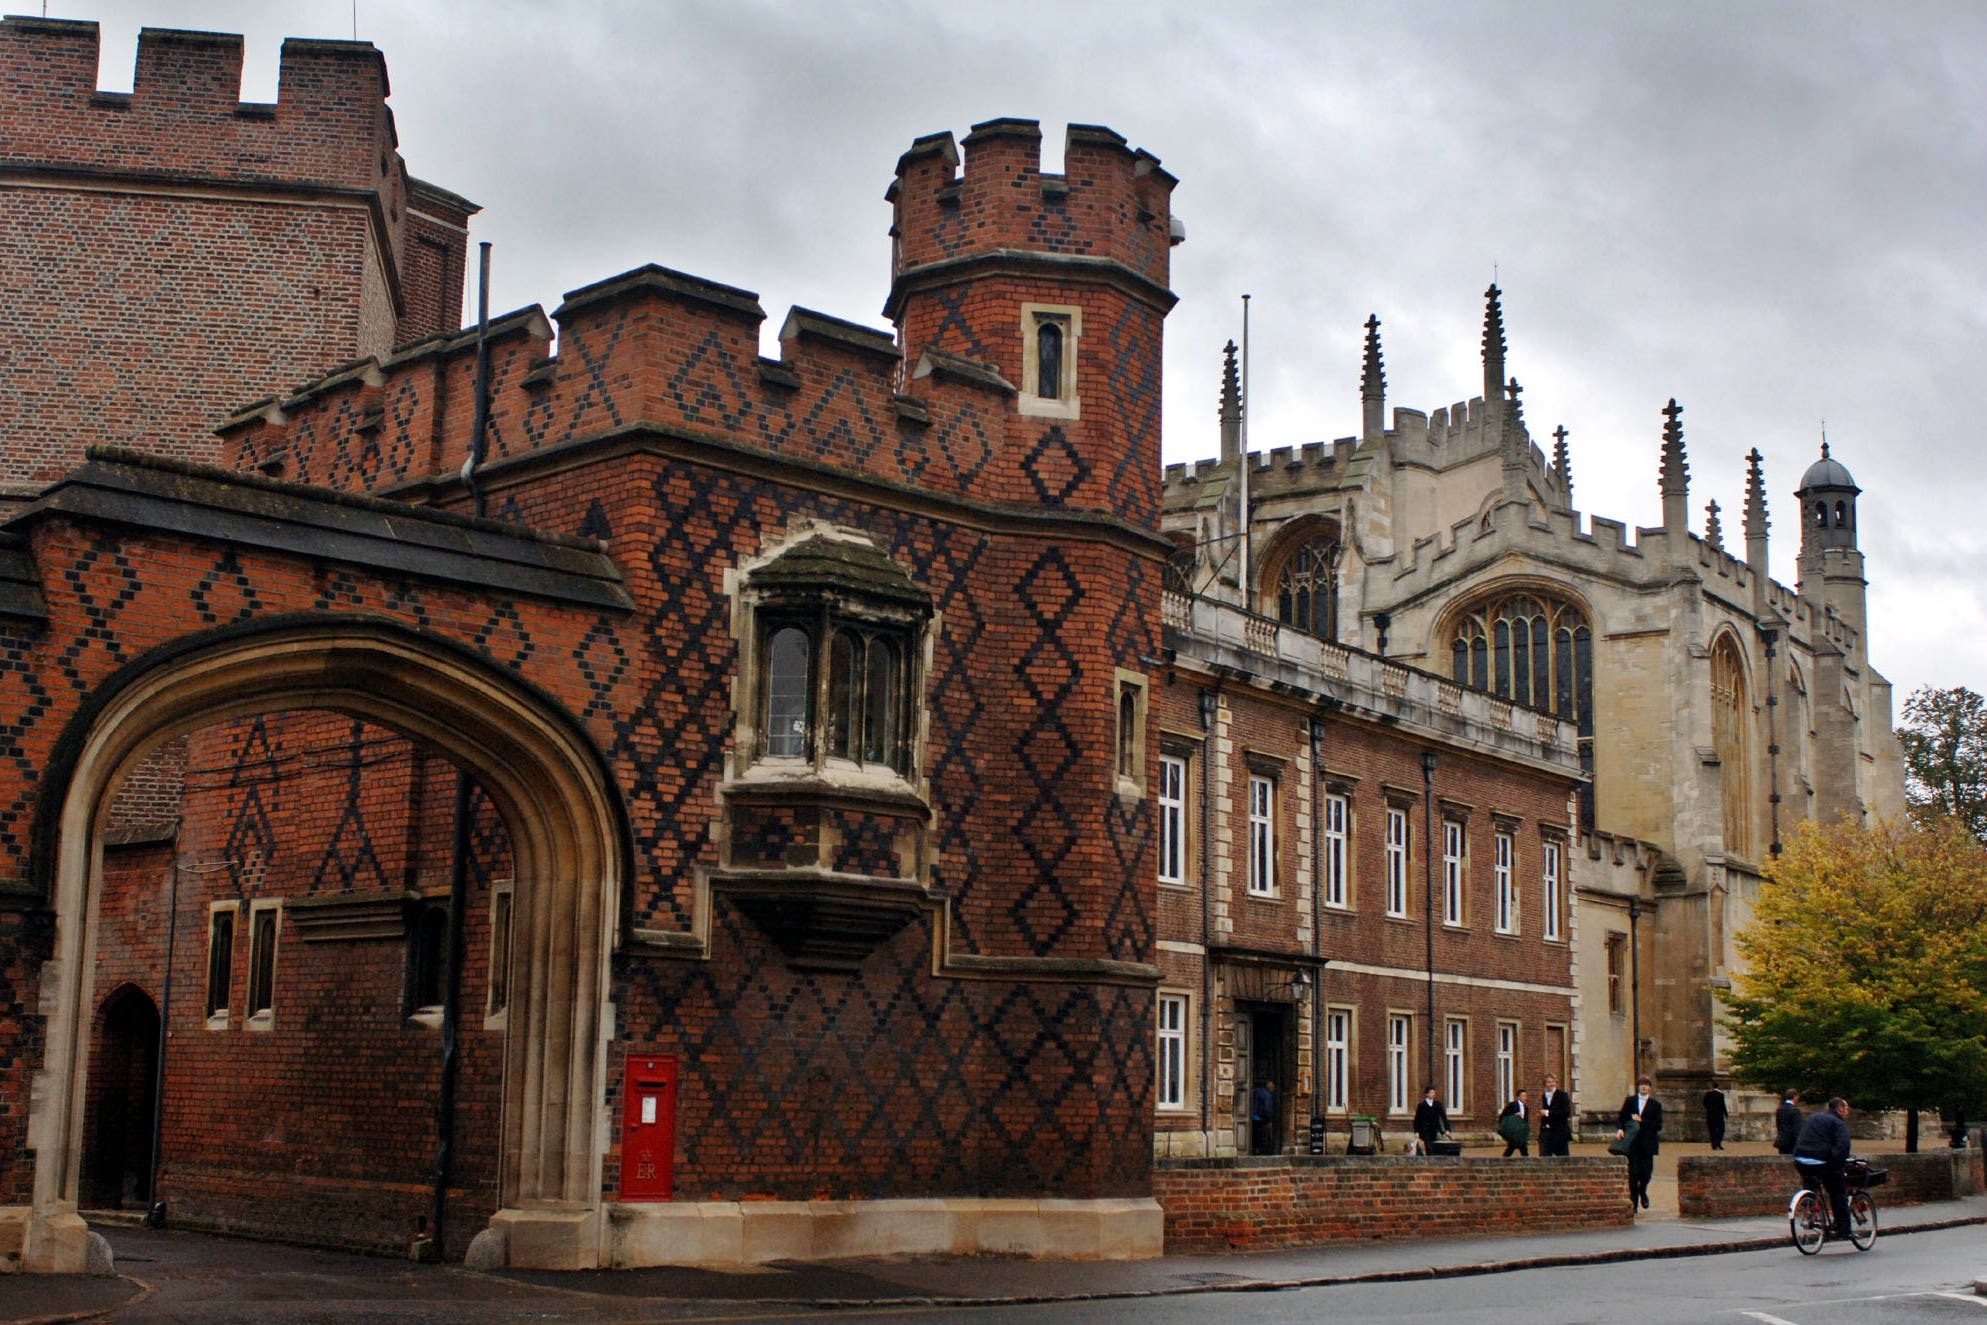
1862	1221
1807	1222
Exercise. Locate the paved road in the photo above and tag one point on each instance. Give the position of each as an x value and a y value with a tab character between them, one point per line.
1659	1269
1914	1280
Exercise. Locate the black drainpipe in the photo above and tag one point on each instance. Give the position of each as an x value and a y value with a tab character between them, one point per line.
458	880
1428	908
1770	637
1635	981
1317	921
155	1215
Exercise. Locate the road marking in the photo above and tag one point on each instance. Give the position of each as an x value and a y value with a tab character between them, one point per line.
1974	1298
1766	1319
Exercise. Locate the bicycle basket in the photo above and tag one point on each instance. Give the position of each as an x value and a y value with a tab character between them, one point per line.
1859	1173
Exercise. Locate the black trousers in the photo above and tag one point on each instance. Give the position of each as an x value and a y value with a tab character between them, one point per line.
1827	1177
1550	1145
1640	1166
1716	1128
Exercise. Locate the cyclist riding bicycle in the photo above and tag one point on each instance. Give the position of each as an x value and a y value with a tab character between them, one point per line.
1820	1151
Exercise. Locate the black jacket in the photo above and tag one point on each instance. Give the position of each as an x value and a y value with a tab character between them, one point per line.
1823	1136
1648	1141
1714	1105
1556	1116
1430	1120
1786	1126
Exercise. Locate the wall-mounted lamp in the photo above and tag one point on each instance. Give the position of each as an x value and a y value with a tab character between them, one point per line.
1300	982
1209	703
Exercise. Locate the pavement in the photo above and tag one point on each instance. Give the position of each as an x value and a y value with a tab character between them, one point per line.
181	1275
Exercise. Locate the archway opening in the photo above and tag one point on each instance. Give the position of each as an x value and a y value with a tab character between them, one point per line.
297	916
341	701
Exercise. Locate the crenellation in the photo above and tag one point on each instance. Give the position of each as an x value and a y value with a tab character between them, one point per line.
817	334
197	73
184	116
1611	533
181	176
1110	202
1411	427
53	60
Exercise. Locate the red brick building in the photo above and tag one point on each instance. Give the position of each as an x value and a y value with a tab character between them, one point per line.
805	902
787	802
1364	883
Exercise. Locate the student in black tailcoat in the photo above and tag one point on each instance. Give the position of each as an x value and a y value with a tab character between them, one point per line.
1642	1107
1555	1119
1714	1116
1431	1120
1787	1123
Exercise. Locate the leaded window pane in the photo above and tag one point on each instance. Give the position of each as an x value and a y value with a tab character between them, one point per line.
786	693
844	694
1048	360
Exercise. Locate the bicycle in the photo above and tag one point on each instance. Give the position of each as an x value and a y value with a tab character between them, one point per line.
1808	1218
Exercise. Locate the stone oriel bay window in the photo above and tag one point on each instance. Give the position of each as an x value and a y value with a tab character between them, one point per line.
826	817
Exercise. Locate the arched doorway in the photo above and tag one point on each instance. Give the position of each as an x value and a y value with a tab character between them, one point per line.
123	1099
547	782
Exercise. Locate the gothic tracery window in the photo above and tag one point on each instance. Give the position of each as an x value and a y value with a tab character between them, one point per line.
1730	715
1529	648
1536	649
1307	588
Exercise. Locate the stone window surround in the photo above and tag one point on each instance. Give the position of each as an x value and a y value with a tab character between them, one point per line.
1068	403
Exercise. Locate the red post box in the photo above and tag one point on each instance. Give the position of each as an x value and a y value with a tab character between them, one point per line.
648	1128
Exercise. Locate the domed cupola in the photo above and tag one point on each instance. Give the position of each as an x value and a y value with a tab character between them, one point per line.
1828	504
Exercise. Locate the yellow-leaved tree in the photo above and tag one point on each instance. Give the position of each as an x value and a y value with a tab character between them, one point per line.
1866	969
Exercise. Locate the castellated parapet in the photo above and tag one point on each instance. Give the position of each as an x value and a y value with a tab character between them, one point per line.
184	118
247	243
1111	203
649	353
1456	435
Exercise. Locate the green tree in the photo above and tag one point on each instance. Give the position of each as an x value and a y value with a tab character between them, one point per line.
1944	735
1866	969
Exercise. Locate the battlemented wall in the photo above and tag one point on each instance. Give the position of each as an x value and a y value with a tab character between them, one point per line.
236	248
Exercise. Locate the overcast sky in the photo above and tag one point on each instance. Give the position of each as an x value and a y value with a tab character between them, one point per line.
1771	211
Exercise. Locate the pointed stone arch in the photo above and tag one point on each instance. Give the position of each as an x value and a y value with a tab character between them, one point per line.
570	840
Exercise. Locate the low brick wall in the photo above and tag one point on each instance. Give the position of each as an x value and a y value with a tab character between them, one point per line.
1257	1204
1722	1186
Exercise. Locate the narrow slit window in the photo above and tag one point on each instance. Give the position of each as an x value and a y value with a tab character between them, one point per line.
262	962
500	952
427	968
1048	359
220	961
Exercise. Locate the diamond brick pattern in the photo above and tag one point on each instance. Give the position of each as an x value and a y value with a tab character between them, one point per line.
657	430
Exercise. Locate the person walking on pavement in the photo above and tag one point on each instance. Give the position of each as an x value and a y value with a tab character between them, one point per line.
1431	1120
1819	1154
1787	1123
1646	1112
1515	1126
1555	1119
1714	1116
